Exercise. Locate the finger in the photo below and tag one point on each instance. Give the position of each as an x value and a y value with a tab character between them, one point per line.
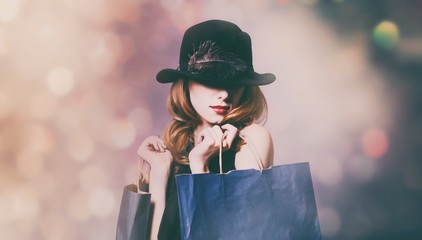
156	145
208	137
145	146
226	143
201	136
159	144
229	133
162	146
229	127
217	133
149	141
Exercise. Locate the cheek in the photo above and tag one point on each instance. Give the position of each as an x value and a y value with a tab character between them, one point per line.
200	95
198	99
196	102
237	96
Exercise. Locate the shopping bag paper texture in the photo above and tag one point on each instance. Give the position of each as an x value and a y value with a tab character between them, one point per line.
134	214
275	203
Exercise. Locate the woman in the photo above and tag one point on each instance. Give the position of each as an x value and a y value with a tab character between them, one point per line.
214	99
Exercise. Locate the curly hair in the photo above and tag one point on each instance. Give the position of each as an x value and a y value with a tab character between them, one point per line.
178	135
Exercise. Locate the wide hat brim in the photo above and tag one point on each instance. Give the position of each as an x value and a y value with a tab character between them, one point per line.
247	79
216	52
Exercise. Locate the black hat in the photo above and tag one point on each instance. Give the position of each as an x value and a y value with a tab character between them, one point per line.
216	52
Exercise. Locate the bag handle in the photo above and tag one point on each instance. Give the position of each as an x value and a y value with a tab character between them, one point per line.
251	147
143	176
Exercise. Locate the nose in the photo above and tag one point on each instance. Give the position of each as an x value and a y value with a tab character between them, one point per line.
223	94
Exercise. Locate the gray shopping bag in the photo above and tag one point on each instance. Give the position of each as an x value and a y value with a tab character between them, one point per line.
134	214
134	211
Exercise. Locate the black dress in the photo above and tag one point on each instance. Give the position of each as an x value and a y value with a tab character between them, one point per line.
170	222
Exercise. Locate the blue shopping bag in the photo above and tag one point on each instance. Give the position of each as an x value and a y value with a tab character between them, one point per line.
275	203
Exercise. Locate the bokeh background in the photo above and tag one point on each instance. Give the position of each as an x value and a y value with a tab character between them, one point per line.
78	95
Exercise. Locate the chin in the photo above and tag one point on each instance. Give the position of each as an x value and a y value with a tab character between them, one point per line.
215	121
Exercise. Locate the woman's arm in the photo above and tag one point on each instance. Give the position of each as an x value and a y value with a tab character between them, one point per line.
154	152
256	137
157	188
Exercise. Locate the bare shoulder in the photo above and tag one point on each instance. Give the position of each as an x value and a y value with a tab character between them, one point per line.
257	140
257	132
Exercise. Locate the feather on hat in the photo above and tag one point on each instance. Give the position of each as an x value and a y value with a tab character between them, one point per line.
216	52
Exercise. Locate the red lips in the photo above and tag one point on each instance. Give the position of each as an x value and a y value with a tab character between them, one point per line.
220	109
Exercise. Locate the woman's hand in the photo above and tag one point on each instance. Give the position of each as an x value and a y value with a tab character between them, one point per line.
154	152
208	145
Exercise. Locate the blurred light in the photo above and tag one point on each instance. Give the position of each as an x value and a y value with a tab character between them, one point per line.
7	213
91	177
280	121
60	81
328	171
361	168
77	207
5	105
68	3
29	164
9	10
2	147
380	217
283	2
3	46
407	210
330	221
105	52
409	49
171	5
412	177
81	147
26	229
375	143
9	233
386	35
98	120
350	61
49	183
46	33
360	223
25	202
101	201
97	11
55	226
122	133
132	172
141	119
126	11
38	138
43	106
68	120
213	10
309	2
